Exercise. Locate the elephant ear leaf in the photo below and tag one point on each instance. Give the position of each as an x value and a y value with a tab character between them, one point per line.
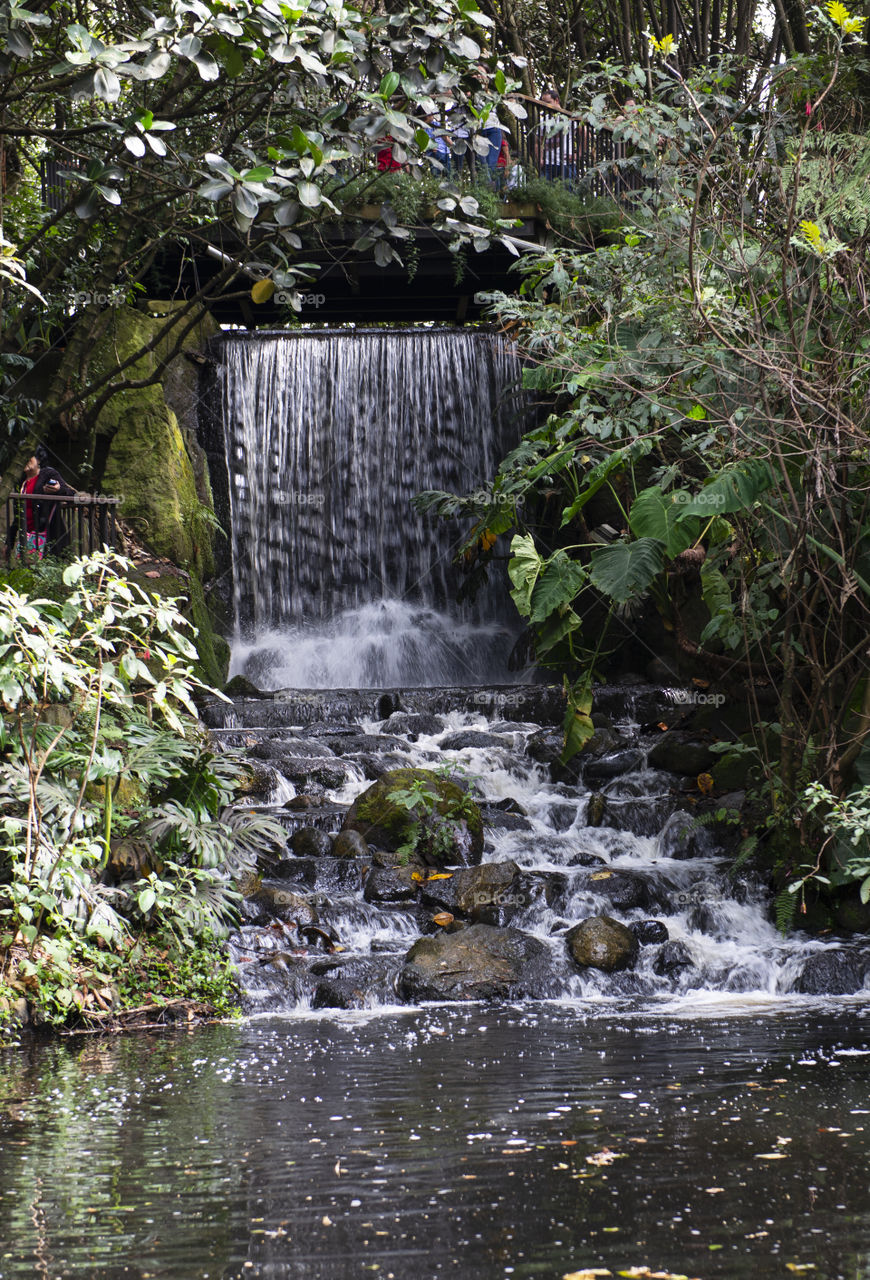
626	569
659	515
523	568
578	727
734	489
561	580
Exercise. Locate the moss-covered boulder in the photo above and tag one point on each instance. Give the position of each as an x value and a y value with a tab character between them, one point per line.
602	943
445	830
148	459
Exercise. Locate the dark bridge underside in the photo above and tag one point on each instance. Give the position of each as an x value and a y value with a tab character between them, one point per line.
350	286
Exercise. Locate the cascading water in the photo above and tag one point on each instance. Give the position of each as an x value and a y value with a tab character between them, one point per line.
329	436
616	837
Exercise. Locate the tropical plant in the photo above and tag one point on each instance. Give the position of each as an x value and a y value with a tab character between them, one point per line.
709	385
117	818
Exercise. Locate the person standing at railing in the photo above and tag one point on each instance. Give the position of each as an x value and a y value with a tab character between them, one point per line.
44	526
554	148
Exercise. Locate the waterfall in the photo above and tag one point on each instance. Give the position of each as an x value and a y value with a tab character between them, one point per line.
337	580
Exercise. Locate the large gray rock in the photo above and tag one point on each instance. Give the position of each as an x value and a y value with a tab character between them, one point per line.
392	884
488	894
602	943
622	889
350	844
476	963
832	973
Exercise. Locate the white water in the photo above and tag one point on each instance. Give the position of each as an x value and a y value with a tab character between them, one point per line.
739	961
337	579
380	645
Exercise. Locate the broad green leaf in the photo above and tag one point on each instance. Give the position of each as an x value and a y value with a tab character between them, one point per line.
655	515
578	727
524	567
626	569
715	590
734	489
557	585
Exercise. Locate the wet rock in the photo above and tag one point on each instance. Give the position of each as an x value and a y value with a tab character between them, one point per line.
413	725
242	687
489	893
629	805
273	902
563	816
544	746
350	844
582	858
832	973
467	738
602	943
549	887
279	748
673	958
475	963
442	836
678	752
649	931
309	842
298	803
510	805
326	875
313	769
366	742
392	884
682	838
623	890
499	820
374	766
596	810
612	764
339	993
256	779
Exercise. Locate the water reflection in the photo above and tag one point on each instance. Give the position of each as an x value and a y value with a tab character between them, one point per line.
454	1142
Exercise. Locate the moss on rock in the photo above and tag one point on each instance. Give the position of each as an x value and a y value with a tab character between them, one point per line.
387	824
148	460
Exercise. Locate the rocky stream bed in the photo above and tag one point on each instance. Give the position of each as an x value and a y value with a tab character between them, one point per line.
606	879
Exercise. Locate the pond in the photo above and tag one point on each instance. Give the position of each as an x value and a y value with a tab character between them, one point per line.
724	1140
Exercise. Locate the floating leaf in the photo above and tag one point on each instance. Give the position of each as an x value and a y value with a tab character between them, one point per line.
443	918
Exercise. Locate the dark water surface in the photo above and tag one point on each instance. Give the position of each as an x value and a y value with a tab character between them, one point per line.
464	1142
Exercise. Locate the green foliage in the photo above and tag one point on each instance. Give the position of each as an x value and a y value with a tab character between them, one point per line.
433	833
100	753
153	974
708	381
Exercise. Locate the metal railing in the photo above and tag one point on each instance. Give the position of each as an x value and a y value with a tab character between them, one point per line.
559	148
77	525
